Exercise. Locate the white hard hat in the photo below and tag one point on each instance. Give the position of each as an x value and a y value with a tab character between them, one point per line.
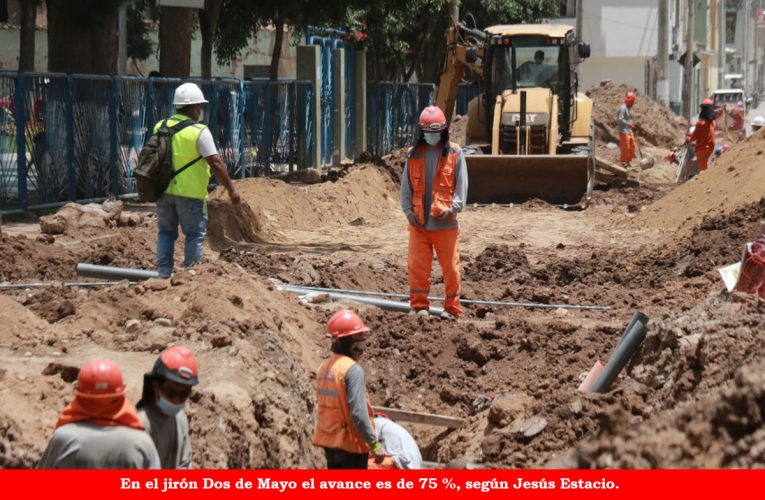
692	129
188	93
758	121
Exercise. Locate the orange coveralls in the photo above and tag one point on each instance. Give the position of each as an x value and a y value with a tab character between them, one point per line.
704	136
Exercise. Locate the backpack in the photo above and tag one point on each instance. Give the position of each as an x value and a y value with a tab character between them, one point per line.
154	170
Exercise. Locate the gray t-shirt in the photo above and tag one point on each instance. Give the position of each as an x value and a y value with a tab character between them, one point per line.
170	435
624	119
432	155
83	445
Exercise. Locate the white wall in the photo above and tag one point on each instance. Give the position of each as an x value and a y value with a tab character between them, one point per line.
621	28
629	70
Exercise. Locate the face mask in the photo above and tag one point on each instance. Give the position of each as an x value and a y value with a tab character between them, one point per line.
357	348
432	138
168	408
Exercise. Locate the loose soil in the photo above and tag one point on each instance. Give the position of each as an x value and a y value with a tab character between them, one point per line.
691	397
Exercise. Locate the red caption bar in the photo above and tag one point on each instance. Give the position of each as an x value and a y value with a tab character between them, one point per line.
338	485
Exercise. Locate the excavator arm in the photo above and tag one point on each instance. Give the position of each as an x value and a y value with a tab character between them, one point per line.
459	55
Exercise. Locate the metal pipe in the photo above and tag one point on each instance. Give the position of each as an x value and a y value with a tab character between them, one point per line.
440	299
621	355
114	273
390	305
638	316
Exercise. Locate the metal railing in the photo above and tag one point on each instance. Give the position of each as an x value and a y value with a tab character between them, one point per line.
77	137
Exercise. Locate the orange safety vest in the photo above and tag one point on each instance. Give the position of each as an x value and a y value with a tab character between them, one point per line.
334	428
443	183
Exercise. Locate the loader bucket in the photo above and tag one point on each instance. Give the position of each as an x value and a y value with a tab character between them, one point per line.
558	179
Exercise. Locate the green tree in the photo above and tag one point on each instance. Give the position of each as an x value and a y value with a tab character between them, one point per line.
241	20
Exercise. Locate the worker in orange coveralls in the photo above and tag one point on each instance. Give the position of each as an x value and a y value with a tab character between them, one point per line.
704	134
626	130
433	191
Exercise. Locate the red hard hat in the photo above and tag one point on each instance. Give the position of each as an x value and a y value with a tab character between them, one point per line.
100	378
345	323
177	364
432	119
630	97
707	102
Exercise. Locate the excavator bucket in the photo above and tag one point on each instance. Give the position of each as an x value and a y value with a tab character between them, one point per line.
558	179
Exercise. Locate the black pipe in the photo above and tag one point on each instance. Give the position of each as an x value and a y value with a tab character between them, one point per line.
621	355
114	273
638	316
512	68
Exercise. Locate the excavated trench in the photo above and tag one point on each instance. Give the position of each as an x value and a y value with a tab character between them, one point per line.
689	398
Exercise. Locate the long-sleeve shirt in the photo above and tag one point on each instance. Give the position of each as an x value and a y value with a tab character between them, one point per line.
355	388
624	119
170	435
83	445
398	443
432	155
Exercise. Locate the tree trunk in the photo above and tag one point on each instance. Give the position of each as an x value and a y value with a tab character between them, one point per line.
273	73
208	22
175	30
27	35
82	37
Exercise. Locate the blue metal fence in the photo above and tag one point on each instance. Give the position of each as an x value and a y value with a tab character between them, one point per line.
77	137
392	113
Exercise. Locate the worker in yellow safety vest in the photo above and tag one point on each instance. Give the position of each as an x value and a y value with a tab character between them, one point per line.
344	422
184	202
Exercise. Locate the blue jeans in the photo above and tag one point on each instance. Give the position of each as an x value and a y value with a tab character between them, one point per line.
191	214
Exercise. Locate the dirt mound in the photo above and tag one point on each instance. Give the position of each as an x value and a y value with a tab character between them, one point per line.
270	206
255	346
735	180
656	125
706	367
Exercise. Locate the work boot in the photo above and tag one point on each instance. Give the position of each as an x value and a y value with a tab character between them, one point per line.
448	316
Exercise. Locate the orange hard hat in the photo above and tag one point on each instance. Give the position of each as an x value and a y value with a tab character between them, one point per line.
630	97
707	102
344	324
100	378
432	119
178	364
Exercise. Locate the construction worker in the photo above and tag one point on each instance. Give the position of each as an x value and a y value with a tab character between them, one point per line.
401	450
99	429
433	191
626	130
185	200
704	134
757	123
166	388
344	426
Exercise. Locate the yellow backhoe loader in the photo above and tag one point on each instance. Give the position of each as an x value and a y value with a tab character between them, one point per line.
529	132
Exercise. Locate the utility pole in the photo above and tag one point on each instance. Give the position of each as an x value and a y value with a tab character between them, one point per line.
721	34
662	57
579	19
122	39
688	67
